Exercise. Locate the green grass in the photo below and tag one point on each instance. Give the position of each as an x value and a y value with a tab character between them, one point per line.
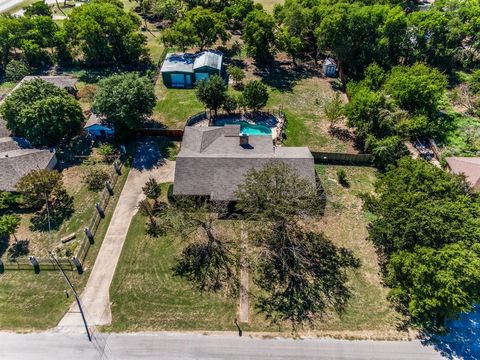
31	301
306	125
146	295
175	106
456	141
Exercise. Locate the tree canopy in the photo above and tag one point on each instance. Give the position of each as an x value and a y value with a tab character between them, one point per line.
102	33
125	100
212	92
254	95
42	113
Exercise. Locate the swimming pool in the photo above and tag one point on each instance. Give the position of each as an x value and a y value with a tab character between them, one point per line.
249	129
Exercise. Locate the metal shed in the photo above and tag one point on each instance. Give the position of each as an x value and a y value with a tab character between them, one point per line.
184	70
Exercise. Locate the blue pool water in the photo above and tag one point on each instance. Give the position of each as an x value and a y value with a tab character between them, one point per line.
250	129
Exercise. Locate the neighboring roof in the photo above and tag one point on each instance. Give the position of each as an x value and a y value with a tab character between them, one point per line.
62	81
16	163
212	162
210	59
178	63
469	166
95	120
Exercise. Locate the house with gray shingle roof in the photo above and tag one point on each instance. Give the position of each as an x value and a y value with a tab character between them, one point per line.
65	82
213	161
18	158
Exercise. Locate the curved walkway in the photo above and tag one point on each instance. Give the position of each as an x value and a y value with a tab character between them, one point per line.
95	298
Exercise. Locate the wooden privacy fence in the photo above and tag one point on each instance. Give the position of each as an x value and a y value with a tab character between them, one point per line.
342	158
175	134
68	264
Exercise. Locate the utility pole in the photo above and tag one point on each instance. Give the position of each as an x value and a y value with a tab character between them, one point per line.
74	293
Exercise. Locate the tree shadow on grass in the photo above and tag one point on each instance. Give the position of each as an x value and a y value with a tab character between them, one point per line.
283	76
462	340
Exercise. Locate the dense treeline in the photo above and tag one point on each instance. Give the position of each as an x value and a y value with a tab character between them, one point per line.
98	33
427	232
355	33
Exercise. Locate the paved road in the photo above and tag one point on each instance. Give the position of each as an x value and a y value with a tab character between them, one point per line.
175	346
148	162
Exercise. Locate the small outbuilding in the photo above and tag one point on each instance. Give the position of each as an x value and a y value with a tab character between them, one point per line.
329	67
184	70
98	129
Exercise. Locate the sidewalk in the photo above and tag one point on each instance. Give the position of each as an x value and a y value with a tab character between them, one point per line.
96	298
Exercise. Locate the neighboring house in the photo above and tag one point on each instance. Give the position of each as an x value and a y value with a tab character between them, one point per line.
184	70
213	161
63	82
98	129
468	166
329	67
17	159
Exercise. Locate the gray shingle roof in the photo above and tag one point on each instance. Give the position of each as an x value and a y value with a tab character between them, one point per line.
212	162
16	163
62	81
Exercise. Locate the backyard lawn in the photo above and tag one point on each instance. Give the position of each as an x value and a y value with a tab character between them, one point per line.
146	296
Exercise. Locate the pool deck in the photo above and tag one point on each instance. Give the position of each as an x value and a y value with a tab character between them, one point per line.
273	122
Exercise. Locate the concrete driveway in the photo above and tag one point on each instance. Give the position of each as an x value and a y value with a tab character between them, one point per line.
148	162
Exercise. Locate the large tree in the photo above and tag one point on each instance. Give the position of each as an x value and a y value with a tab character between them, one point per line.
416	88
254	95
259	35
37	186
208	26
301	273
418	204
432	285
125	100
103	33
212	92
42	112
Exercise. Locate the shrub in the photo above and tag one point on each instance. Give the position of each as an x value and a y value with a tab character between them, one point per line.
16	70
342	178
255	95
230	104
237	74
108	152
19	248
95	178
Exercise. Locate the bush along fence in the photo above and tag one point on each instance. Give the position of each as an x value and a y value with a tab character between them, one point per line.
76	261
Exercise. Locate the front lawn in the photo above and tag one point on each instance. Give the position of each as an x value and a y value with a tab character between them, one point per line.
147	296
